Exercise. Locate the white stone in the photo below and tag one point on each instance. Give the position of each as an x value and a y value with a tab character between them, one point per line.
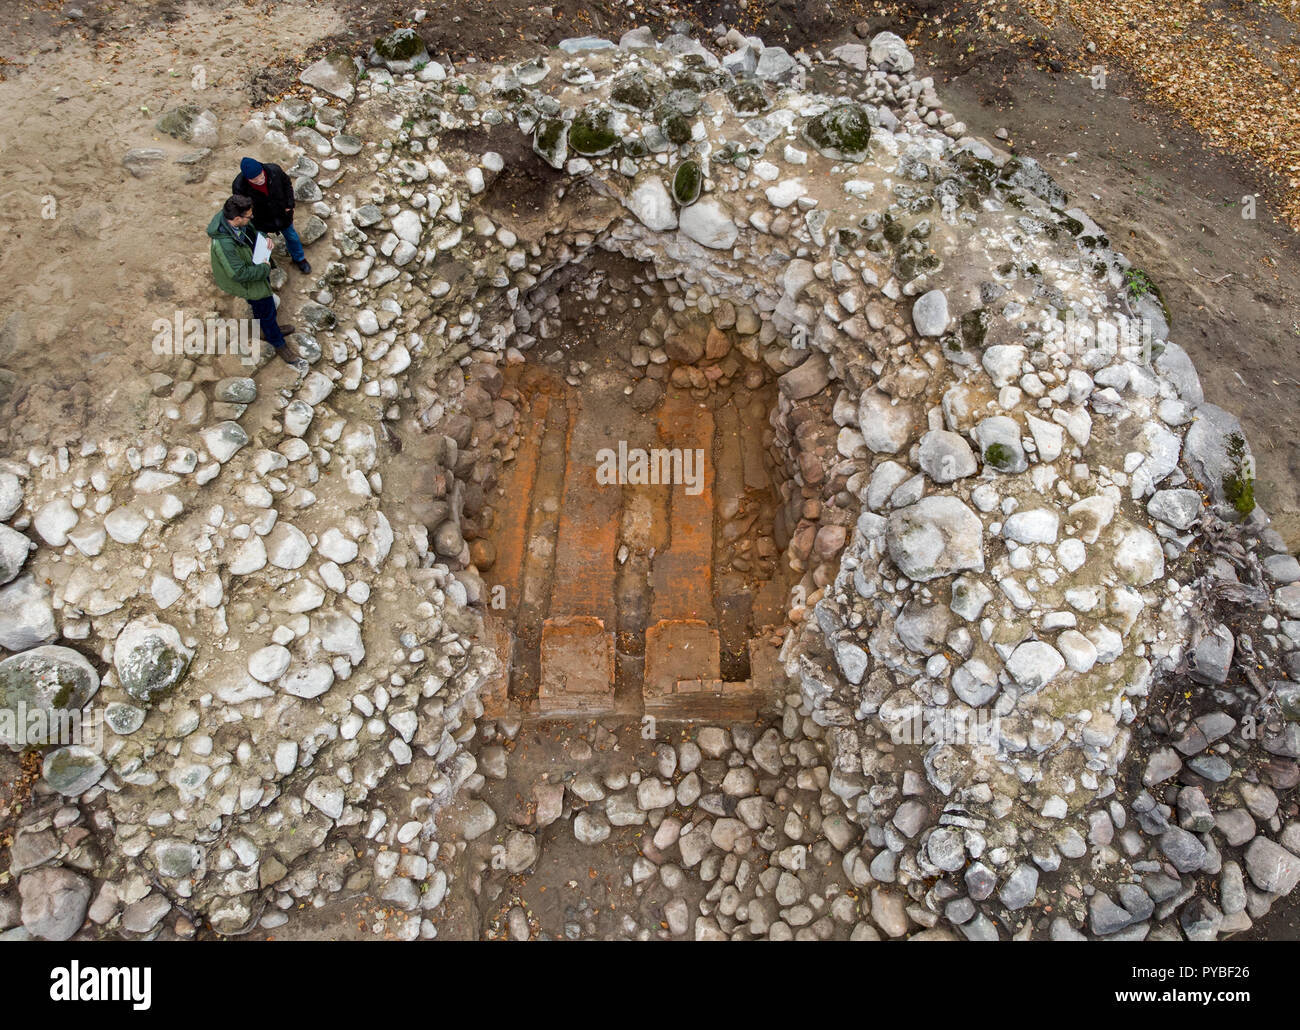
1034	664
248	557
53	521
1071	554
11	495
308	682
269	663
930	313
1139	557
1036	526
652	205
935	537
287	547
1002	362
975	683
1079	652
886	427
337	547
708	224
786	193
125	526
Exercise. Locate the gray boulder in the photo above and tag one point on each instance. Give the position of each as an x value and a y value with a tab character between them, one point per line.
935	537
333	74
54	902
1271	867
998	440
1177	508
26	615
890	52
807	379
73	770
946	457
143	161
930	313
14	547
54	680
1211	658
1217	454
150	658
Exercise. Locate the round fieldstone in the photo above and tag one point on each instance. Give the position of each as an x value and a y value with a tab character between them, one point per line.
54	902
73	770
150	658
269	663
50	680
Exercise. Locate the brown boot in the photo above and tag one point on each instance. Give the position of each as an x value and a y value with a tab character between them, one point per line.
292	358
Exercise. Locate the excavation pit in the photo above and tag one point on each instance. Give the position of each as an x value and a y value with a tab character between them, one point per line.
632	548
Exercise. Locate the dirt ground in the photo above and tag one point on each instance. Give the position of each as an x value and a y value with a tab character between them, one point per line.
86	276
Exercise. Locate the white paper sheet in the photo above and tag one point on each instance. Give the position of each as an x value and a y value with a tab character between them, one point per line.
261	250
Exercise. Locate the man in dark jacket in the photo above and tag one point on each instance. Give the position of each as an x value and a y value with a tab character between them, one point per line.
271	192
231	254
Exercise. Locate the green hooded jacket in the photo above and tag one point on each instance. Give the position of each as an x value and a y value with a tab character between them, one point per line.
231	252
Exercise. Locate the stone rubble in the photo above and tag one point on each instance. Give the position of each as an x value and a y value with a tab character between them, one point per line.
1014	516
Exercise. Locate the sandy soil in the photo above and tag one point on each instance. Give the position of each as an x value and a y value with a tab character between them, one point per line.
85	285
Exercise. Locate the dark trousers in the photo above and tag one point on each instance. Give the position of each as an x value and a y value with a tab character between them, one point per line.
264	312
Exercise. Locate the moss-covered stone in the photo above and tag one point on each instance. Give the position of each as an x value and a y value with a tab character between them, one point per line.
1239	481
591	134
178	121
550	142
974	326
1000	456
842	133
150	658
39	688
676	127
687	183
1071	225
847	239
910	264
400	45
1140	285
632	92
980	174
700	79
683	101
748	97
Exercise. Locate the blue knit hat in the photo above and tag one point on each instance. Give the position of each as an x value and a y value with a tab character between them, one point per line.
250	168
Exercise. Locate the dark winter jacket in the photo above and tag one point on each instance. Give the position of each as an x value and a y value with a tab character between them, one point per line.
231	252
269	214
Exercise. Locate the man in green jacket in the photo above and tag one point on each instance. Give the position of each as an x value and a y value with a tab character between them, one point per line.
231	252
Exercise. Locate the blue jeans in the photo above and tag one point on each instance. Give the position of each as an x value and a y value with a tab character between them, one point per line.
264	312
293	244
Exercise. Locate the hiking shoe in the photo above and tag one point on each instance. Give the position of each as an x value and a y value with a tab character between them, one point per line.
304	266
290	357
287	330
